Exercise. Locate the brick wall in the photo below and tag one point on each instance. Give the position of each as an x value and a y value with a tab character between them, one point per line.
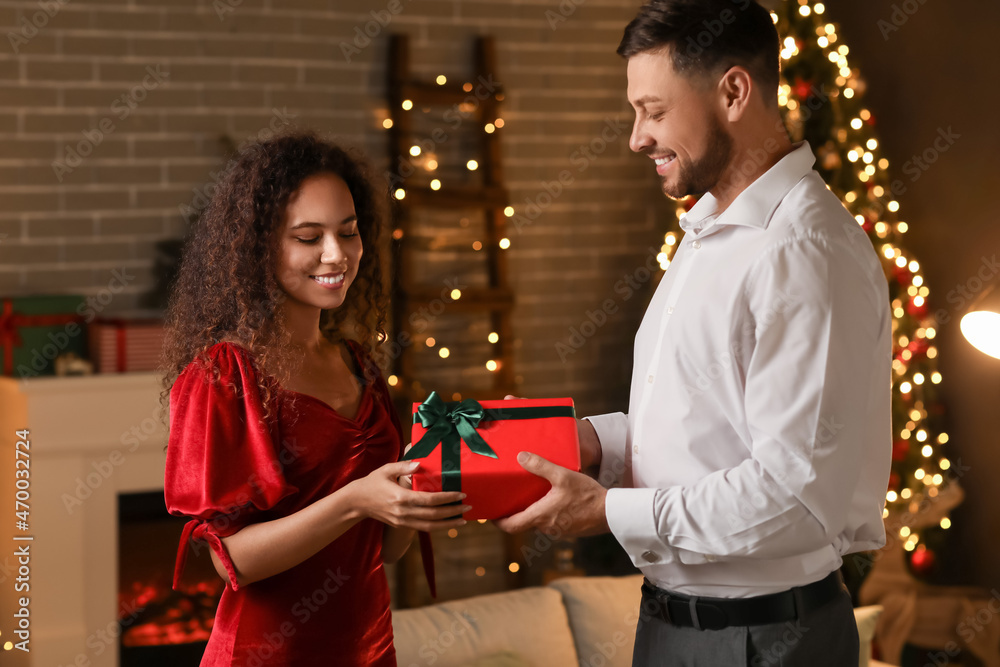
114	115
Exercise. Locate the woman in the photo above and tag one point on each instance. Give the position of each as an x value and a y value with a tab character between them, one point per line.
284	444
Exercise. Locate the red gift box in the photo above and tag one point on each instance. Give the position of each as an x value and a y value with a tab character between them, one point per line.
472	446
119	346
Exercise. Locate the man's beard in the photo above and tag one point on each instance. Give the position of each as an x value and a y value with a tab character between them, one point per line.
701	176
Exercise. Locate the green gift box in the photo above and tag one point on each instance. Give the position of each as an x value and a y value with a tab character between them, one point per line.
35	330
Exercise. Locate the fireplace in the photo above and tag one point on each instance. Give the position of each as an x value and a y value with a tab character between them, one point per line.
161	626
94	441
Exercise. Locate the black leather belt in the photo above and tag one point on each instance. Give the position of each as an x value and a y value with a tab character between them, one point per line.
705	613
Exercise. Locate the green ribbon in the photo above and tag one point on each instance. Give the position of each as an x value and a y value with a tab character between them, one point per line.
448	424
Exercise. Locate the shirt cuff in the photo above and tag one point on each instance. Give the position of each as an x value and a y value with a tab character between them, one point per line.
631	517
612	431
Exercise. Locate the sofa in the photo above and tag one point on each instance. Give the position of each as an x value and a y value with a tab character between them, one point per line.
585	621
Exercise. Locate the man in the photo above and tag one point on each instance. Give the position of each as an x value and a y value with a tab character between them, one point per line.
756	450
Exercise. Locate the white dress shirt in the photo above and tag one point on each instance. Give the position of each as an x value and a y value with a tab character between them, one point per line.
757	445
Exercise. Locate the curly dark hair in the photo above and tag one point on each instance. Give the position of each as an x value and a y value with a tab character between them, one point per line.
226	288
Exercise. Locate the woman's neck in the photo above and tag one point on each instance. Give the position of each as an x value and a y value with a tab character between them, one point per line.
302	322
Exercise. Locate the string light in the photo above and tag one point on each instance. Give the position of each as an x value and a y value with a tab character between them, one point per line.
441	79
407	105
387	123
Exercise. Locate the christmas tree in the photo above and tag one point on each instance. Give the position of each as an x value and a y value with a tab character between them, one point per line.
822	102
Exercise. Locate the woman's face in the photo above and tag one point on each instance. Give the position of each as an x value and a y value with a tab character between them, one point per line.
320	247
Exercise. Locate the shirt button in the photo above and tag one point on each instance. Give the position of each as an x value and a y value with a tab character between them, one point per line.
635	449
650	556
670	310
696	245
650	379
710	558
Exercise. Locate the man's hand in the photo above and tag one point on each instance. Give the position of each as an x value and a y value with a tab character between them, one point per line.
573	506
590	444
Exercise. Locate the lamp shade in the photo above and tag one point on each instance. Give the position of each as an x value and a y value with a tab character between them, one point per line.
981	323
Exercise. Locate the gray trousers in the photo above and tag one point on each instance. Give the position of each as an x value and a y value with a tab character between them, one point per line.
823	637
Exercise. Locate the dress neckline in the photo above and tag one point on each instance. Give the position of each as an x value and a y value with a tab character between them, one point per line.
366	386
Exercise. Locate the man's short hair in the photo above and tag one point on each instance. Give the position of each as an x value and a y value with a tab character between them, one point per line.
707	37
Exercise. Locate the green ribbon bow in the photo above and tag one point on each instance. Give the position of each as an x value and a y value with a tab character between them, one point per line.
448	424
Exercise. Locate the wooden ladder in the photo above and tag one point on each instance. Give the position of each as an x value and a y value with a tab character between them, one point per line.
471	130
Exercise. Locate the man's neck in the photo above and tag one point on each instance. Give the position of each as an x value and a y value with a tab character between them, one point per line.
749	162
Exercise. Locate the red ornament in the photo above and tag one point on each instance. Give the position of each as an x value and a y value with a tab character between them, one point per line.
893	481
922	560
900	449
918	348
868	226
903	275
917	311
803	89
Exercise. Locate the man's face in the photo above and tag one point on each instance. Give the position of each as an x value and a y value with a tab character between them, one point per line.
677	125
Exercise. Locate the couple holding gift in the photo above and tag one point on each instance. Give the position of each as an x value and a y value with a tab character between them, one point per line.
756	449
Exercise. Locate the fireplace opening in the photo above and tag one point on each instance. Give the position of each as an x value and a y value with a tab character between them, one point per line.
161	626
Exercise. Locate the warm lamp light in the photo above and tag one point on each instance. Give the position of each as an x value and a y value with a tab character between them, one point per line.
981	324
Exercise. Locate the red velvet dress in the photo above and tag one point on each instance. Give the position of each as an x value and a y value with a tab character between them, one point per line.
227	468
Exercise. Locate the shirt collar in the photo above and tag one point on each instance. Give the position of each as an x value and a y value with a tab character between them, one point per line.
754	206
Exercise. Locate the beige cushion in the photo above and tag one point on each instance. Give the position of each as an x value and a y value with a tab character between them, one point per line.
603	612
505	659
866	618
530	623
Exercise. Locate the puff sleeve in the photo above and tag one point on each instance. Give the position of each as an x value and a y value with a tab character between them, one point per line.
223	466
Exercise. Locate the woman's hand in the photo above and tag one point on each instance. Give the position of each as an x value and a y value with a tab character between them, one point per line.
406	481
381	496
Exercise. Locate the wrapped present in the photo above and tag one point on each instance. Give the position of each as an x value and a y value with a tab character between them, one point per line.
120	345
472	446
35	330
